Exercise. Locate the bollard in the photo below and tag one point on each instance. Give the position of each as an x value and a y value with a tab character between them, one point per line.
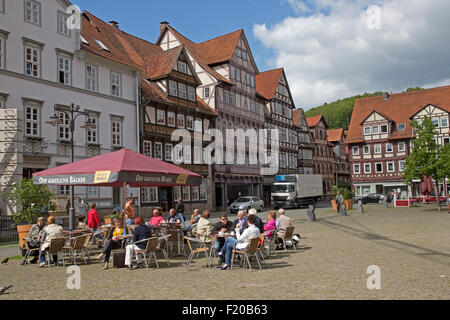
311	214
360	207
342	211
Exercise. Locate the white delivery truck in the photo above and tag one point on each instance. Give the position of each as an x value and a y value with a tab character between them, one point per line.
297	190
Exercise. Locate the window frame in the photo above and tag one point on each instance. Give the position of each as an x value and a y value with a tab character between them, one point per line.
31	46
393	166
90	79
147	146
197	127
204	186
173	88
182	90
400	163
179	117
169	114
376	167
156	144
364	150
206	92
114	76
356	153
392	147
147	196
380	149
160	112
365	129
185	66
197	195
183	193
378	129
3	38
38	107
167	153
401	127
64	119
39	12
370	166
187	123
446	124
356	165
95	119
401	144
191	93
64	57
68	32
116	135
381	128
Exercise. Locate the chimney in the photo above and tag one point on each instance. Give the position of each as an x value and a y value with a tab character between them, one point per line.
114	24
163	25
386	96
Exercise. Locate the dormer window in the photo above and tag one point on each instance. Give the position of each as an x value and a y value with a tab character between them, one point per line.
401	127
367	130
182	67
101	45
384	128
83	40
375	129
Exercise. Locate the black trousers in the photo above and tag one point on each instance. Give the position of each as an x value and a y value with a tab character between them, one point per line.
109	246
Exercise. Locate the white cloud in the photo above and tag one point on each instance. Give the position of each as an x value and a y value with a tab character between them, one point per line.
330	52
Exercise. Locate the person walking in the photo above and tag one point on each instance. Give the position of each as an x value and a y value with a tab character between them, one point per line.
93	220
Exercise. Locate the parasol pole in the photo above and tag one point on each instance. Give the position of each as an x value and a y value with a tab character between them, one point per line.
124	201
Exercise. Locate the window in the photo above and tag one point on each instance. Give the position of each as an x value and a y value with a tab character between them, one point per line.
64	190
149	195
187	155
83	40
355	151
176	193
161	117
366	149
33	12
379	167
168	152
171	119
2	51
116	126
195	193
203	188
64	126
401	166
32	61
206	92
233	72
191	94
190	123
435	122
180	121
239	53
116	84
147	148
446	141
375	129
198	125
186	194
182	67
401	127
244	55
92	192
356	169
62	24
444	122
401	146
232	98
390	167
91	78
367	168
101	45
2	6
158	151
64	70
226	96
92	134
253	81
389	147
238	74
377	148
367	130
182	93
173	88
32	120
2	102
384	129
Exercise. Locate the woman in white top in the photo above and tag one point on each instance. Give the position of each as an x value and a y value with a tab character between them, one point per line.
240	243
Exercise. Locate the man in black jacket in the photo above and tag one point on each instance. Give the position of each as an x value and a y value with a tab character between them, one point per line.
223	226
141	232
180	208
258	223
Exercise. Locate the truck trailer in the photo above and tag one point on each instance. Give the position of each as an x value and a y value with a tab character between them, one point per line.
297	190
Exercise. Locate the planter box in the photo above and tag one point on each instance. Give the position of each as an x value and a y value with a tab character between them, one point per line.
23	233
348	204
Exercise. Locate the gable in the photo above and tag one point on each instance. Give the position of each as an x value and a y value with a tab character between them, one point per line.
429	111
376	117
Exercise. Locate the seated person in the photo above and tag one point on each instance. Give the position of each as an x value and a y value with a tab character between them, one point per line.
194	220
258	223
51	231
223	226
241	242
204	227
175	217
156	219
271	224
241	220
34	238
114	243
82	225
141	232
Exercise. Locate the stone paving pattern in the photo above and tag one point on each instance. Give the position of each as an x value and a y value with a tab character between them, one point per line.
411	246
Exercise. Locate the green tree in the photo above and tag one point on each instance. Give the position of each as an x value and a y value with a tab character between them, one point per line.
31	201
443	164
425	155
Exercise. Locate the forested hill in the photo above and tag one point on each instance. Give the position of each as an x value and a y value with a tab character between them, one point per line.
339	113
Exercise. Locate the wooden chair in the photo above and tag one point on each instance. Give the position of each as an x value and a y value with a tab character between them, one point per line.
196	251
77	245
150	250
86	250
56	246
252	251
288	236
28	251
263	246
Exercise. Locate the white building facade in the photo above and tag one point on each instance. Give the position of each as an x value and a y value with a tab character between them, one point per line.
42	71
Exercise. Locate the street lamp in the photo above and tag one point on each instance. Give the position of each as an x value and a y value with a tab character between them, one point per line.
72	113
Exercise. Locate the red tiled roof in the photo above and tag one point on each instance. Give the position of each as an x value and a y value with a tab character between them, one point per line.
400	107
314	121
162	64
220	49
267	82
334	135
296	116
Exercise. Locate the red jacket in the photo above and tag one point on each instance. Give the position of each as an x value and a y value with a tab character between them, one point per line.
93	220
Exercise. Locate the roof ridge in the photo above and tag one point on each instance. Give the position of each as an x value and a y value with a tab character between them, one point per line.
223	35
408	92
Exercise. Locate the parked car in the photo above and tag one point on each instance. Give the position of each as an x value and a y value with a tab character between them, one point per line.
247	203
374	198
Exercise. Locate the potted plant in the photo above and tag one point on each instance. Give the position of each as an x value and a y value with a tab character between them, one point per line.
348	199
334	192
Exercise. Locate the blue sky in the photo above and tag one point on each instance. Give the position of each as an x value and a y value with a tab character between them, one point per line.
199	20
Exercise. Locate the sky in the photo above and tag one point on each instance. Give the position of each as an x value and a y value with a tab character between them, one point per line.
330	49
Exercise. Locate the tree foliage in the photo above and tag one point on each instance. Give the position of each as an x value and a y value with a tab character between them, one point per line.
425	154
31	201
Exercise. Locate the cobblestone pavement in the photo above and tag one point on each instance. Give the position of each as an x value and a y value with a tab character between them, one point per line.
411	247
